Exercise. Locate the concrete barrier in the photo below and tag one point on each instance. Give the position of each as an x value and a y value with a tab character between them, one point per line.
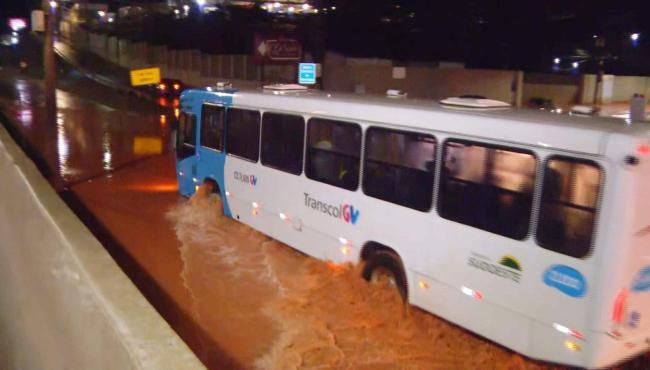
112	50
159	55
124	53
64	303
375	76
98	44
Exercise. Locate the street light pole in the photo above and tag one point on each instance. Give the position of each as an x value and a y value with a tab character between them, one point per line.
599	83
600	56
49	12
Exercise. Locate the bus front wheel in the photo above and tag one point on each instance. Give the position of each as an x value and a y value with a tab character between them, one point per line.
384	266
211	187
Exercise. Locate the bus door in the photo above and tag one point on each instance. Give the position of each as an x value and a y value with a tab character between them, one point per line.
186	153
211	154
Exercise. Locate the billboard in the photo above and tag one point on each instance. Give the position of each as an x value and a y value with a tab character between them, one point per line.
277	49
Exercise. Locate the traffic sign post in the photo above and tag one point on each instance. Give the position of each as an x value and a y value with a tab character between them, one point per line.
307	73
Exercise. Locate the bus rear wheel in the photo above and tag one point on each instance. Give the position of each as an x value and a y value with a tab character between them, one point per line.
384	266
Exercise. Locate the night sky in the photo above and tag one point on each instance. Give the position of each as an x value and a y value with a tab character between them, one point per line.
510	34
503	34
9	8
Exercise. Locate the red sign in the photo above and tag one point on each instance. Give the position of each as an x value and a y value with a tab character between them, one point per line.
17	24
274	50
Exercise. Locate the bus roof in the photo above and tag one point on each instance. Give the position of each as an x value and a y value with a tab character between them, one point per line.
585	134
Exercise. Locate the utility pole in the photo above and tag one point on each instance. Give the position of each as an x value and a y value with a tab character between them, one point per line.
599	83
600	56
49	12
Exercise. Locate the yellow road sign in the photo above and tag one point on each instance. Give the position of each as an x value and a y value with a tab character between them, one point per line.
147	76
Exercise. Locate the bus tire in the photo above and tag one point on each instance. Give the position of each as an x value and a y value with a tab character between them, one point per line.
211	187
382	263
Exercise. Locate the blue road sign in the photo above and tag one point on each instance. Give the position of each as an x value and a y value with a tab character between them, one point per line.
307	73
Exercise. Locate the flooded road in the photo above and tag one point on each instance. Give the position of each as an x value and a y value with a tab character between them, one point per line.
325	316
95	130
238	298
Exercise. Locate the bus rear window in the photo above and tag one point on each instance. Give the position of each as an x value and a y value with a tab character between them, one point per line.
567	215
488	187
399	167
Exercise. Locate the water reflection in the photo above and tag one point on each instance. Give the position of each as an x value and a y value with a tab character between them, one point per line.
24	98
107	158
25	117
95	130
62	145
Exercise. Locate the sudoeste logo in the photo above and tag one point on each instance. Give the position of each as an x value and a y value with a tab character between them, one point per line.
347	212
249	179
566	279
510	261
508	268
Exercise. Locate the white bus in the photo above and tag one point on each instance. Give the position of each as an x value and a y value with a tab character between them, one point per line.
529	228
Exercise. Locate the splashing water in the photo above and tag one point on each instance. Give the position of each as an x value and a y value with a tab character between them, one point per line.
275	308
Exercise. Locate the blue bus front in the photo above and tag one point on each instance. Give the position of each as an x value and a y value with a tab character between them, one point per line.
200	152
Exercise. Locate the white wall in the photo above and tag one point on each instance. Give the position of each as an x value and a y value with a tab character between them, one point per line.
375	76
563	90
626	86
64	303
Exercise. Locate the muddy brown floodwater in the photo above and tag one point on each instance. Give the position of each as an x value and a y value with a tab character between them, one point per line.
290	311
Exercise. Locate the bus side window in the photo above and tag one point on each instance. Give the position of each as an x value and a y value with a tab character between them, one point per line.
243	133
333	152
567	214
487	187
399	167
283	141
186	139
212	126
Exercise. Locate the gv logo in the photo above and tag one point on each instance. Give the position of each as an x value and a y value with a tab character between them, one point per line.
350	215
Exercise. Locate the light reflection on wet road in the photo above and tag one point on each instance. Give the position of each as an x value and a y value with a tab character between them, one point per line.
92	135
